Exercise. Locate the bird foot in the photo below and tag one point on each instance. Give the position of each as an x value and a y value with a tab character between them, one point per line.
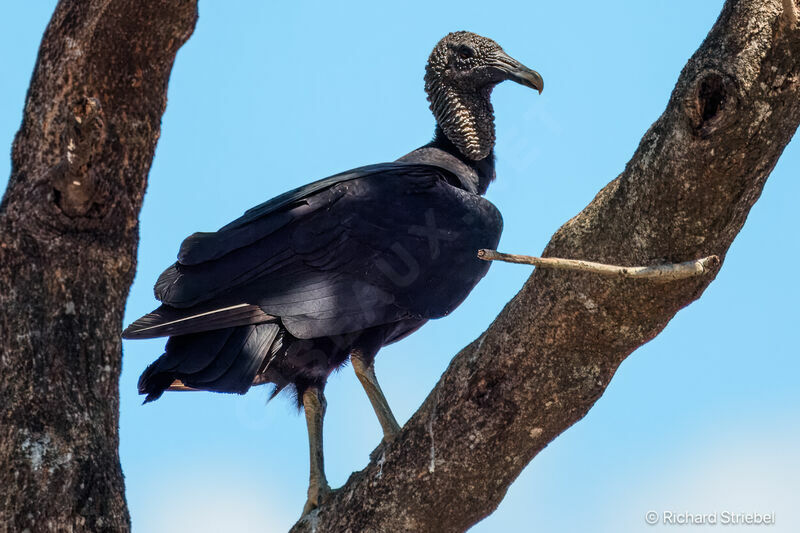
317	495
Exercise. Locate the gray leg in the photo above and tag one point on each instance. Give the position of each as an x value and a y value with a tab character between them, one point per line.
366	375
318	489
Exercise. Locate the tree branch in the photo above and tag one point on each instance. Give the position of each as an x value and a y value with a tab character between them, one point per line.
664	272
68	238
552	351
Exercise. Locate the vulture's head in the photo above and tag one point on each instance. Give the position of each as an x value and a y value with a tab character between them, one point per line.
461	73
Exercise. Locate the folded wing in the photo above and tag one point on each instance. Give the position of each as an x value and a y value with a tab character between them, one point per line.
373	246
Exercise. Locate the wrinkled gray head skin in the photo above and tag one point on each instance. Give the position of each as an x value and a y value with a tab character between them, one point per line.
461	73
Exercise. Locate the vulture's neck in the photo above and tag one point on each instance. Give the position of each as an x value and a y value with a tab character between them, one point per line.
465	117
484	168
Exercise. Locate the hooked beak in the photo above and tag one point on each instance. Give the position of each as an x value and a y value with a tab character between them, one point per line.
513	70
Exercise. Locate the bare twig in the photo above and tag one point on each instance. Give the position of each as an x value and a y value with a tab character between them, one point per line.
669	271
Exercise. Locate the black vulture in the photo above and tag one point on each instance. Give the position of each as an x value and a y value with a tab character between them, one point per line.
340	267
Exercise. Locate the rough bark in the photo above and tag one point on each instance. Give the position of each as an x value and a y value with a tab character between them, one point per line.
552	351
68	238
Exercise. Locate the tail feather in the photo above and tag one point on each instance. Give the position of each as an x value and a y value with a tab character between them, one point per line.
224	360
236	344
239	377
170	321
191	354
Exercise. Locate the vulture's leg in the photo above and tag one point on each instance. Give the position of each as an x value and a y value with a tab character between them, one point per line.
314	406
366	375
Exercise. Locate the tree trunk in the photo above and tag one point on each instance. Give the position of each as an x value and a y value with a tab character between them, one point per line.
550	354
68	238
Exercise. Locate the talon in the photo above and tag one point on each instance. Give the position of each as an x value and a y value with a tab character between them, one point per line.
316	497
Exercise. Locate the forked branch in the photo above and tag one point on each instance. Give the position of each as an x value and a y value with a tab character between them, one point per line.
553	350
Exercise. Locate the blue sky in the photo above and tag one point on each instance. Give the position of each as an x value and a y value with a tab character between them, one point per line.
266	97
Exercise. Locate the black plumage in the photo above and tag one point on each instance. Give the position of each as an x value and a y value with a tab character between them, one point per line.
343	266
379	249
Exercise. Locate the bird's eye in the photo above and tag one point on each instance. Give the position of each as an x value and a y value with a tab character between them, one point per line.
465	52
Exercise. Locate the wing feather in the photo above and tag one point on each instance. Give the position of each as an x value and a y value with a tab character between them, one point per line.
381	244
166	321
